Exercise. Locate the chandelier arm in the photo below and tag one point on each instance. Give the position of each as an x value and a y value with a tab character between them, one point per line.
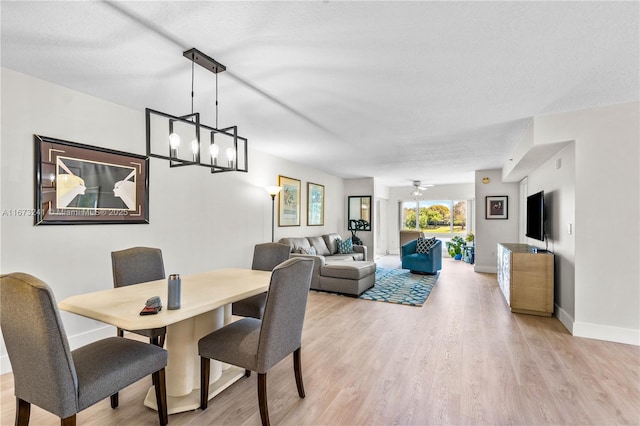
192	78
216	97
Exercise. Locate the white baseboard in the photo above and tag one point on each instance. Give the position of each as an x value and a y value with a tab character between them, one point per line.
597	331
487	269
564	317
74	342
607	332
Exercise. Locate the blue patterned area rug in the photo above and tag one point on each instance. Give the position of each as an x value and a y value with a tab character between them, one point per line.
400	286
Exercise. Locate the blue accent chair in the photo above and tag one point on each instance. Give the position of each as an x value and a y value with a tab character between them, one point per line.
419	262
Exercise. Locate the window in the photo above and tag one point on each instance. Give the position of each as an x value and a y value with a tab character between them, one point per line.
434	216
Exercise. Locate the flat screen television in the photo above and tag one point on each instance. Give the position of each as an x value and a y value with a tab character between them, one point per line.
535	216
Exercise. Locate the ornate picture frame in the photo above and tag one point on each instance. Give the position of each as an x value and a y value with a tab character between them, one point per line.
497	207
315	204
83	184
289	201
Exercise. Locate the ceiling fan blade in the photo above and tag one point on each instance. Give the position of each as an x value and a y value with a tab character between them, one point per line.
419	186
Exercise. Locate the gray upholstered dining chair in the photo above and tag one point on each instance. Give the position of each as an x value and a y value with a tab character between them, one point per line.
134	266
257	345
265	257
48	374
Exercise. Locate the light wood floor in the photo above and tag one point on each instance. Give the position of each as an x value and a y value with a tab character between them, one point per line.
461	359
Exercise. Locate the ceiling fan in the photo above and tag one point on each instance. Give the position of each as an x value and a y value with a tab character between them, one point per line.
419	187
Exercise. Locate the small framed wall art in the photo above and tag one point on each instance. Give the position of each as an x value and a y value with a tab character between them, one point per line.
289	202
497	207
315	204
83	184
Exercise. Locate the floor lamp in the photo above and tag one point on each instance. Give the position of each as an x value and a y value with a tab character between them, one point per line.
273	191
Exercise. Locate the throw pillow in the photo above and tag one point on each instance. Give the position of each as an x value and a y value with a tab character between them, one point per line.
424	245
310	250
297	243
330	241
345	246
320	246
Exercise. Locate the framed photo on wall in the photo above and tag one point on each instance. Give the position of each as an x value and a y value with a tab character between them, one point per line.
83	184
289	202
497	207
315	204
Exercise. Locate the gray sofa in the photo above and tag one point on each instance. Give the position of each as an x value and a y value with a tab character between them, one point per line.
326	246
348	273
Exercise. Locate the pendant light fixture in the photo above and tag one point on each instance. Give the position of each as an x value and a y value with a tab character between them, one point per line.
166	132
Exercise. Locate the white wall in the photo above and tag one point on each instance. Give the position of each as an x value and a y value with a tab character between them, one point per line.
382	222
199	220
607	218
463	191
556	177
490	232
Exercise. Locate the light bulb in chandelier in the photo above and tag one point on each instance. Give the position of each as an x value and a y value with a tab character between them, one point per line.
195	148
214	150
231	156
174	140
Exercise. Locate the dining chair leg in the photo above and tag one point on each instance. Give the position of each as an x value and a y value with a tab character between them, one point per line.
262	398
297	368
205	366
114	400
160	384
120	332
161	340
69	421
23	412
247	373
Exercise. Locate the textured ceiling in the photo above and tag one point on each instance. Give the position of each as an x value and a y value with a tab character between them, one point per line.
399	91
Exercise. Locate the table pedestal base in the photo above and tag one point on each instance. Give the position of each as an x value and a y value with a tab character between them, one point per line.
183	366
191	401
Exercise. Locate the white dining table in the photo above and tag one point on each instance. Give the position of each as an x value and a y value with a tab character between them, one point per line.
205	306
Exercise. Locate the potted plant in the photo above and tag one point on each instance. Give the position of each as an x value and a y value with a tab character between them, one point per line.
455	247
468	254
470	238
